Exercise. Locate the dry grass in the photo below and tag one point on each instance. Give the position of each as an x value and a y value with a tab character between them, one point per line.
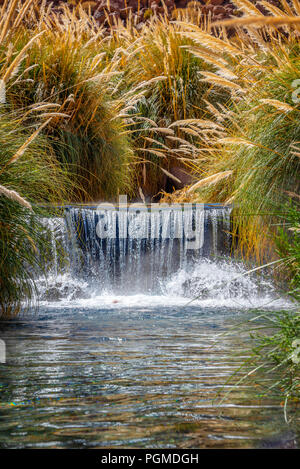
253	136
157	55
29	171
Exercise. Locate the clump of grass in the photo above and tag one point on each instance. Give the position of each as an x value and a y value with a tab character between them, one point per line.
277	345
288	245
273	362
29	174
67	66
249	155
253	138
157	54
278	352
120	97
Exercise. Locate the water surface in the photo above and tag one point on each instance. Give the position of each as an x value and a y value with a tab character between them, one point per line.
131	372
117	355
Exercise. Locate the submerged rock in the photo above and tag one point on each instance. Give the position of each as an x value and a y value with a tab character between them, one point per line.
284	441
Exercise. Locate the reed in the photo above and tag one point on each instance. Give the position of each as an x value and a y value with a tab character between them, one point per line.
117	94
27	178
158	54
255	135
66	66
29	172
287	242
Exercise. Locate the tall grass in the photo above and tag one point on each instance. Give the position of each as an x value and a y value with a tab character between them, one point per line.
120	96
29	175
158	55
67	66
248	148
287	242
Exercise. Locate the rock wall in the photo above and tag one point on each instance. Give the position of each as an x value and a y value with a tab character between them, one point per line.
142	10
106	12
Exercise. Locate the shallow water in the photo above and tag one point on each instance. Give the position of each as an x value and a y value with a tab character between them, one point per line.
132	372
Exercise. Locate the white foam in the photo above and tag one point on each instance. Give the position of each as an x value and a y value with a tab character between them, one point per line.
97	278
208	284
113	302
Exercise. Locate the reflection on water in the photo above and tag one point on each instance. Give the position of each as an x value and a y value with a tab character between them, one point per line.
142	376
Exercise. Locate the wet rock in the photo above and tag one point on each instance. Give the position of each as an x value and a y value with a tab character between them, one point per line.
61	291
195	287
52	294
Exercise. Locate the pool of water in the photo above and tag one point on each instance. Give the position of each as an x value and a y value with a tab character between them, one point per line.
133	372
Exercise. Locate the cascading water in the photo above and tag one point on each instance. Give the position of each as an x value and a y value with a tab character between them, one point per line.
136	248
169	252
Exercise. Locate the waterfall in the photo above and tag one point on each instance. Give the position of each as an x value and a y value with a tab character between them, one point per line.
137	246
126	254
